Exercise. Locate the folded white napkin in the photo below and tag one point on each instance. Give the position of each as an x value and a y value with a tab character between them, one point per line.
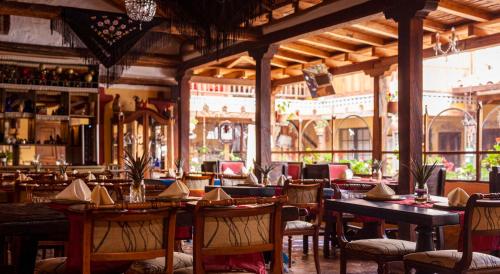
380	191
458	197
91	177
100	196
103	177
77	191
177	190
65	176
22	177
228	171
347	174
75	171
281	180
252	179
244	171
216	194
171	173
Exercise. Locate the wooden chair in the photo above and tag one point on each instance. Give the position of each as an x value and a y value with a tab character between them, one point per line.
235	166
210	166
294	170
308	195
381	250
238	226
482	217
232	180
197	183
330	235
495	179
117	187
435	185
116	233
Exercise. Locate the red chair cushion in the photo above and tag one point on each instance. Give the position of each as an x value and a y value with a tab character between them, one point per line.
294	170
337	171
234	166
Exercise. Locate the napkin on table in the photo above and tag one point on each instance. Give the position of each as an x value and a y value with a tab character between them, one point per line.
244	171
91	177
177	190
171	173
75	171
76	191
228	171
458	197
100	196
216	194
380	191
281	180
252	179
22	177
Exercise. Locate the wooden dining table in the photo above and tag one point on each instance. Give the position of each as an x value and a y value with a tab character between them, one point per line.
32	223
425	218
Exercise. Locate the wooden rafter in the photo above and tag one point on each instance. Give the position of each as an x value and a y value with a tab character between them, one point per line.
357	37
327	43
292	57
461	10
305	50
377	28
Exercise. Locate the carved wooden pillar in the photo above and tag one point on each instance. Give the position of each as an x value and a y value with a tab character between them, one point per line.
262	57
104	99
409	15
376	73
183	117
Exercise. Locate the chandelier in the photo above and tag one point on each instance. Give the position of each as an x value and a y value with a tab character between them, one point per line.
141	10
452	45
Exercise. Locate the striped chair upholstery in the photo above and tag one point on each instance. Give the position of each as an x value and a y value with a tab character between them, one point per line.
114	234
197	183
482	218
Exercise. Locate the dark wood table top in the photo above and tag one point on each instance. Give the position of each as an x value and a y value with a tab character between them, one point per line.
33	219
363	180
395	212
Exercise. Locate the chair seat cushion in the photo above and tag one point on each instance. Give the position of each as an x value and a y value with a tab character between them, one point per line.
388	247
58	266
298	225
157	265
448	259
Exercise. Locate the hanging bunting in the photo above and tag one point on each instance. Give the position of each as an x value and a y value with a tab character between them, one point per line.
114	40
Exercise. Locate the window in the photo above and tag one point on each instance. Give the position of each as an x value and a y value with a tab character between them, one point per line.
354	139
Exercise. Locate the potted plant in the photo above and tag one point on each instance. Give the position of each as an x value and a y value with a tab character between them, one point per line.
392	102
136	167
377	169
264	171
421	173
281	113
62	165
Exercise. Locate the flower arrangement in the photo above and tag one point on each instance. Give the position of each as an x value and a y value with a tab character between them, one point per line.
421	172
136	167
264	170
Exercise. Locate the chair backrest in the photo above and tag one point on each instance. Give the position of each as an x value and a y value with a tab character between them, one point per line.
210	166
316	171
128	232
38	191
238	226
482	217
495	179
437	180
294	170
233	180
350	187
337	170
306	193
235	166
197	183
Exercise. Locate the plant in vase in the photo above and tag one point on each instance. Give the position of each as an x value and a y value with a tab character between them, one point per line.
421	173
264	171
377	169
179	163
4	157
62	165
136	168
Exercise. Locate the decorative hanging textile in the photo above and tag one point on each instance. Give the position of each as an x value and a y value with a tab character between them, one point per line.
215	24
114	40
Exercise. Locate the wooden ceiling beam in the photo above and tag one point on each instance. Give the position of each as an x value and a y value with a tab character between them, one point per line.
234	62
377	28
279	63
383	52
305	50
460	10
327	43
292	57
30	10
434	26
356	37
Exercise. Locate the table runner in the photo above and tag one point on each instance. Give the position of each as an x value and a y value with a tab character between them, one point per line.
479	243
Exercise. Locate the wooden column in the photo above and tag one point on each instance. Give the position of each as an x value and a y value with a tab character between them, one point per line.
183	116
376	73
262	57
409	15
